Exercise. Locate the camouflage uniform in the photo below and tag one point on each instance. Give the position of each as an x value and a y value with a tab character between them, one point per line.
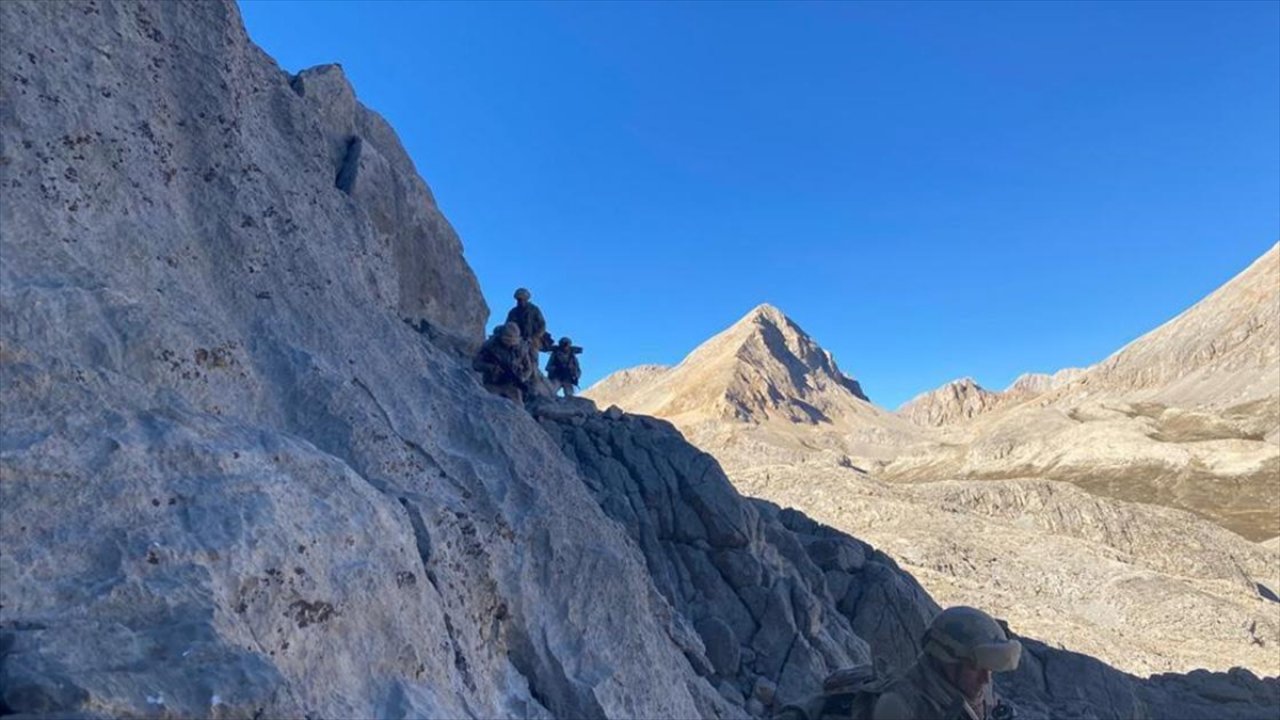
503	362
533	326
562	369
958	635
924	693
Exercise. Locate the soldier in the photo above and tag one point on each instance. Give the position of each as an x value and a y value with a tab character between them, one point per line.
562	369
951	678
503	362
532	325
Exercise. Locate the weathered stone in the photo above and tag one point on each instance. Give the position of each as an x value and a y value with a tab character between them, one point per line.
764	691
740	568
721	644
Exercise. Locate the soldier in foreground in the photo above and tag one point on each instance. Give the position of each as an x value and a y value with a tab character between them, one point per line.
950	679
503	362
563	369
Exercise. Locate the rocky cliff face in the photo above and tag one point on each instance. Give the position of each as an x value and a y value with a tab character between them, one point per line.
234	482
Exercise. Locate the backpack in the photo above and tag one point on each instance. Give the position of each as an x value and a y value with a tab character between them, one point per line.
848	694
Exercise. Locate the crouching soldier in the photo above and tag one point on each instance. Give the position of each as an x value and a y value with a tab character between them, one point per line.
562	369
949	680
503	362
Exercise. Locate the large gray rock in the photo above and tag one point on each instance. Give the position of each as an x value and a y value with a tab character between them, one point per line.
234	482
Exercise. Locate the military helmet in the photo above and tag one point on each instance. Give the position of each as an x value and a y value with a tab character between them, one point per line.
964	633
523	294
497	329
565	341
510	332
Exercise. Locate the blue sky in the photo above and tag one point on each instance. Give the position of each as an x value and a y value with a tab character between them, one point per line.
931	190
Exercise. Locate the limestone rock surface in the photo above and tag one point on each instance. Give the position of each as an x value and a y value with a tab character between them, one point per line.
234	482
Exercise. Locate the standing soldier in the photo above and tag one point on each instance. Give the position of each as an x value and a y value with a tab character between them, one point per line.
532	325
503	362
562	369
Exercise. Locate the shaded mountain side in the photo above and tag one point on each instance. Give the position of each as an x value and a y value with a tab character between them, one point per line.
768	590
1144	588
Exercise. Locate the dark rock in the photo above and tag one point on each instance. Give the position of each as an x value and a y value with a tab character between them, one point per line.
722	645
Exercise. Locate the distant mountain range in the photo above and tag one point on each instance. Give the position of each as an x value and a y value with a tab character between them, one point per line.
1166	419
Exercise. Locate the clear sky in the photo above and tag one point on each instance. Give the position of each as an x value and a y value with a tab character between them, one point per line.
930	190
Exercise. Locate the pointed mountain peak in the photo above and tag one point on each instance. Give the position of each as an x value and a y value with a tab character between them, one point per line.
761	318
765	313
762	367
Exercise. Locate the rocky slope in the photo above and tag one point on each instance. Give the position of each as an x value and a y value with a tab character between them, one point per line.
1172	418
234	482
1143	588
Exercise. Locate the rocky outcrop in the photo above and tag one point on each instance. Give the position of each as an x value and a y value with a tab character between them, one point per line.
626	388
1143	588
1031	384
956	401
776	599
234	482
772	595
962	400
